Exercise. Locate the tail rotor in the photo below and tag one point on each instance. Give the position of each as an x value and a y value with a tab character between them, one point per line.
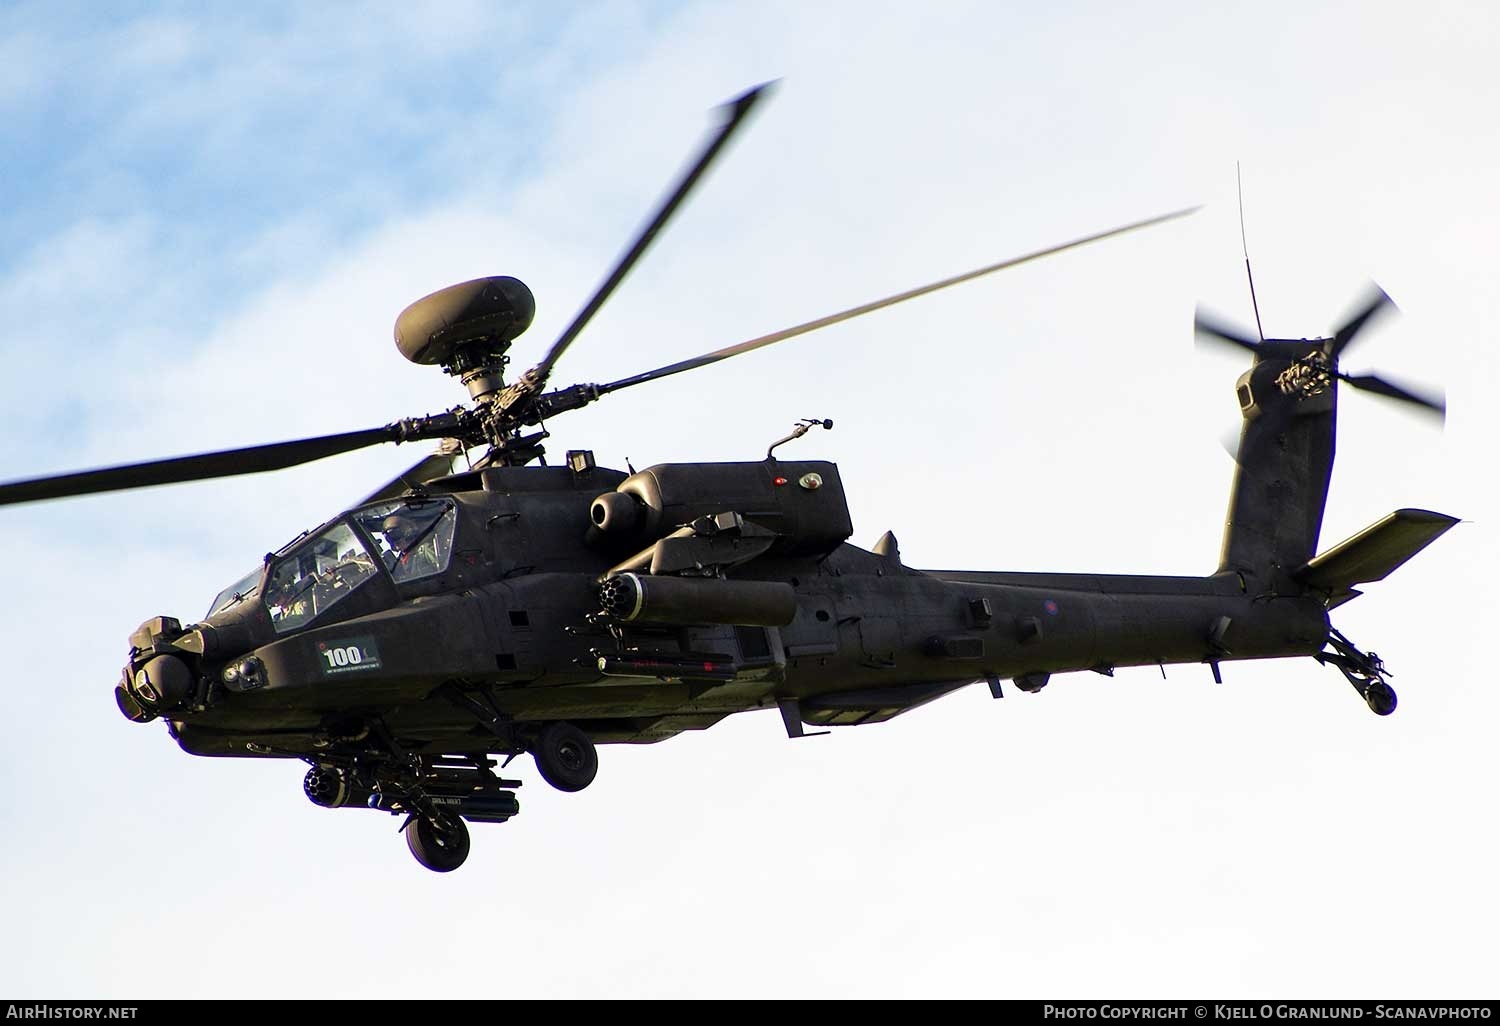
1324	359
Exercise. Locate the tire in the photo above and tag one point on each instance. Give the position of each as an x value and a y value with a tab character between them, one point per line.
566	757
440	850
1381	698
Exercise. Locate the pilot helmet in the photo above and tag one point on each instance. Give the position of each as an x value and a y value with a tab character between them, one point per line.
397	525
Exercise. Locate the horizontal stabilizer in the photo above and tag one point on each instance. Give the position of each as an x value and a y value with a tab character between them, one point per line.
1372	553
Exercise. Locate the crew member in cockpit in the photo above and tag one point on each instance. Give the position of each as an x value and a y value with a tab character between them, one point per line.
288	596
410	554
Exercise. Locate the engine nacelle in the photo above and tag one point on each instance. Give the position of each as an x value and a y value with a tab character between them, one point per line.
802	502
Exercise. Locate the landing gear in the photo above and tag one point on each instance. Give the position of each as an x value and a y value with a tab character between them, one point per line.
1363	670
1380	698
439	795
565	757
440	845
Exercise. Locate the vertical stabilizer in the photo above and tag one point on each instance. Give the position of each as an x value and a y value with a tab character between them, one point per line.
1285	459
1289	400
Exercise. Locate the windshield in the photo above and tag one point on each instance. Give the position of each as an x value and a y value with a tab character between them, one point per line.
315	575
415	536
240	590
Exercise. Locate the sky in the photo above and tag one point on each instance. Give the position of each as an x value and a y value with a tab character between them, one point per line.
212	216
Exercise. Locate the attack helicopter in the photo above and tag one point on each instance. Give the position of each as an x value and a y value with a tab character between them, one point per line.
410	647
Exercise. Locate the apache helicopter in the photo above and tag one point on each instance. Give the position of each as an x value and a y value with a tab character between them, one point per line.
453	619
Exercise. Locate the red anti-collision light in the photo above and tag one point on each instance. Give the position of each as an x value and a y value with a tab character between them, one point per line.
778	481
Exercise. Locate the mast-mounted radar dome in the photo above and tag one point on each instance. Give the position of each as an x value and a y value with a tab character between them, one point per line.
470	323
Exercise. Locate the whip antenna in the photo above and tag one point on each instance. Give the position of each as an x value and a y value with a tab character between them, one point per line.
1239	189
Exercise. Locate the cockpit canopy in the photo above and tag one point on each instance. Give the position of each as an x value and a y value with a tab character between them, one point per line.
317	574
414	536
409	539
244	588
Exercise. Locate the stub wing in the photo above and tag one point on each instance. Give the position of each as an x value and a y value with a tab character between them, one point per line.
1372	553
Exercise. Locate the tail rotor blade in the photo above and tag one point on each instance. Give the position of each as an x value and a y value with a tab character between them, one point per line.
1436	405
1206	327
1229	441
1377	302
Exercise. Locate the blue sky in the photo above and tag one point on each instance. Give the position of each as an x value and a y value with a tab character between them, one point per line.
213	217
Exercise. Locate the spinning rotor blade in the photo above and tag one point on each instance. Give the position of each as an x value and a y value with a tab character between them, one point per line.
737	110
1206	327
428	468
1377	302
823	322
226	463
1380	386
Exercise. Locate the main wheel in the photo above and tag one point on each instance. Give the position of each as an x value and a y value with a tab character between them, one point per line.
565	757
441	849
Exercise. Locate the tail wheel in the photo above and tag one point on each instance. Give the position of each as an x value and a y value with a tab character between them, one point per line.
566	757
1381	698
441	849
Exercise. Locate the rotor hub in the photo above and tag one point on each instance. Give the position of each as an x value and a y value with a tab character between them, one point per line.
1308	376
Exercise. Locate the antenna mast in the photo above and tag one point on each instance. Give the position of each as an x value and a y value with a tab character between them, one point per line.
1238	188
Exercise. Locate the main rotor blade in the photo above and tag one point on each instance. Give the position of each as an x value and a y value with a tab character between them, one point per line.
1380	386
1205	326
226	463
428	468
737	110
879	304
1377	302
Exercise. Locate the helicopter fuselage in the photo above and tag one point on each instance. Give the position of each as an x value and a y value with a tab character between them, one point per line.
707	590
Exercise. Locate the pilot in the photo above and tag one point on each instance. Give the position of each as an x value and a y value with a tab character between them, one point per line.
289	601
410	554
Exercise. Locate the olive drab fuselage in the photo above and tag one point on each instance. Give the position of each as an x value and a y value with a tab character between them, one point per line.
733	589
